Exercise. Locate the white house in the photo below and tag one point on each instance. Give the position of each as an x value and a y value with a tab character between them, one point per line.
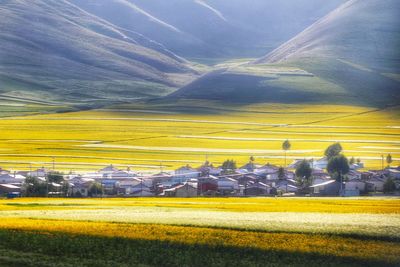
394	173
110	169
354	175
3	171
183	190
268	170
120	174
11	179
375	184
286	186
320	174
227	186
42	172
139	190
354	187
9	188
208	169
257	189
80	185
320	163
185	173
327	188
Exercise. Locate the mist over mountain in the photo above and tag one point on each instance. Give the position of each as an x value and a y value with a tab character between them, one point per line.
350	56
212	28
112	51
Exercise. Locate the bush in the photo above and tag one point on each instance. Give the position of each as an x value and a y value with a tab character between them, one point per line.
389	186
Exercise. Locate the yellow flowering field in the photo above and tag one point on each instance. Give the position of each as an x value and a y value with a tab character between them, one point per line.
376	205
147	136
292	242
239	231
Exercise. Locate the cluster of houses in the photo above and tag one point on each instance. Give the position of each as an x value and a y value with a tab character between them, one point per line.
206	180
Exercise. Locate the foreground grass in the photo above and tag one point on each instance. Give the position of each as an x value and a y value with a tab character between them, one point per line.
200	232
160	245
373	217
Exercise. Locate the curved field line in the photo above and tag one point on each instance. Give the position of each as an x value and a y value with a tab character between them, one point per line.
283	139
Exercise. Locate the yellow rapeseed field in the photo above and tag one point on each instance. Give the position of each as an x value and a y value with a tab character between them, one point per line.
384	205
147	137
292	242
356	230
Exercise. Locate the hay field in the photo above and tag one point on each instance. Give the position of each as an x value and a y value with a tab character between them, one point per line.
146	136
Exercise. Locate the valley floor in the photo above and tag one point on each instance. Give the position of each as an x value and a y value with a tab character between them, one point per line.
168	135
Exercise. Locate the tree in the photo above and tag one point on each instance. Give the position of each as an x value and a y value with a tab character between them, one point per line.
389	159
338	166
389	186
34	188
229	166
55	177
65	188
281	173
286	146
95	189
304	173
333	150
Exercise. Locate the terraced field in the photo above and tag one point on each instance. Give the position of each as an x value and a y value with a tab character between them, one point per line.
146	136
200	232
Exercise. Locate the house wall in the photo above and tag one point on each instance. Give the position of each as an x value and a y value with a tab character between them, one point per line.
328	190
255	191
186	191
355	186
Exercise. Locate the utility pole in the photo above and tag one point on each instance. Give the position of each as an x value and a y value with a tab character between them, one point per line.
141	187
341	183
47	185
102	189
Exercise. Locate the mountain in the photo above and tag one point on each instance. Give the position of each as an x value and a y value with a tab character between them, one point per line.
349	56
366	32
203	29
52	49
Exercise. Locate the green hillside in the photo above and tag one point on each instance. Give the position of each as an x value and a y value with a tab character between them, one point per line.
350	56
55	51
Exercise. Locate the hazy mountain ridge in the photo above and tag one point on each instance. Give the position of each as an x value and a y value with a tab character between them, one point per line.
351	56
346	33
59	46
217	28
121	50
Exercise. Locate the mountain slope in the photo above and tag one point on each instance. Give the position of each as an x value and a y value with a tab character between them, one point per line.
53	49
349	56
365	32
212	28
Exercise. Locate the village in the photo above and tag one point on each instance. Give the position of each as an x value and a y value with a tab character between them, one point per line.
332	175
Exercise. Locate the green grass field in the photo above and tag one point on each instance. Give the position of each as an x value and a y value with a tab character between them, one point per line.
145	136
200	232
